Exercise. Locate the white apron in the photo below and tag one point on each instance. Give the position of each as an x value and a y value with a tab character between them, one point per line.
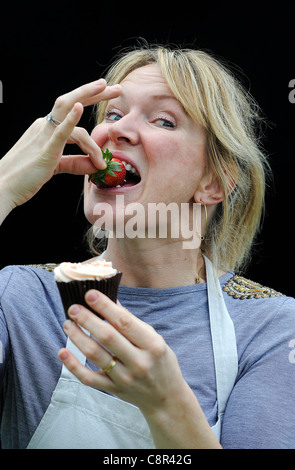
80	417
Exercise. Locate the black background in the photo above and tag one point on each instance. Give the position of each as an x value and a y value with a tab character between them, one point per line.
51	48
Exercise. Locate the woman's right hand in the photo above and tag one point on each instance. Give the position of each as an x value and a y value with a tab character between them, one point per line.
38	155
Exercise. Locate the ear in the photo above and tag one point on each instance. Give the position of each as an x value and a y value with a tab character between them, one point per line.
209	190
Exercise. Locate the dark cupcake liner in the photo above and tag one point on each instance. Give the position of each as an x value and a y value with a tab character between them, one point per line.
74	292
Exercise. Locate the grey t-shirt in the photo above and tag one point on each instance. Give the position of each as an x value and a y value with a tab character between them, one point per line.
260	412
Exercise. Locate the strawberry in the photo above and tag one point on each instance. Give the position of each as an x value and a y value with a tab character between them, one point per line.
113	175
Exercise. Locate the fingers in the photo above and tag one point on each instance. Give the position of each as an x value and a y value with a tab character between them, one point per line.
81	137
108	336
138	333
123	333
85	375
90	348
63	131
38	154
68	109
111	367
88	94
144	364
76	165
68	132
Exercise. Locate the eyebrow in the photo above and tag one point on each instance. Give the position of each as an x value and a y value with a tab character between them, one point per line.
161	97
164	97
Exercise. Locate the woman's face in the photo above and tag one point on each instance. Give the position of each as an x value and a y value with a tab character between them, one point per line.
147	127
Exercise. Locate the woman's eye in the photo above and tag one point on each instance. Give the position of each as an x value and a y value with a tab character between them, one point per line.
112	116
165	123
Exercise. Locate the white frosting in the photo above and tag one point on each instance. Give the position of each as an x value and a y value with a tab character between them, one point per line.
99	269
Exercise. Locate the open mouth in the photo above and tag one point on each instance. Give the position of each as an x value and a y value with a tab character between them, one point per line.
132	176
119	173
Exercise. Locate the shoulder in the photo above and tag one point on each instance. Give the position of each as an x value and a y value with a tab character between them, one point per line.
255	307
47	266
248	300
241	288
29	299
263	318
19	277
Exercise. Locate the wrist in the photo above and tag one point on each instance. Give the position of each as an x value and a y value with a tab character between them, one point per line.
7	204
180	423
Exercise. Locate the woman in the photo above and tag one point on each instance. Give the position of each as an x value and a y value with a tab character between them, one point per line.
183	361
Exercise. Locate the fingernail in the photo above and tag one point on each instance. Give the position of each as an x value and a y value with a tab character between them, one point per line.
102	163
115	87
100	81
67	324
91	296
63	355
74	310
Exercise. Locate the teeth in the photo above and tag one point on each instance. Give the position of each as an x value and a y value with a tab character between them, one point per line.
130	168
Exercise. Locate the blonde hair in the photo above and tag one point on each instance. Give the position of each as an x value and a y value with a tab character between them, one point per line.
213	97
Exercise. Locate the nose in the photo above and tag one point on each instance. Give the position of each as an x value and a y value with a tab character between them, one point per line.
124	130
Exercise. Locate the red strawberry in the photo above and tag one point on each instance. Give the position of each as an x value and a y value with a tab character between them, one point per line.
113	175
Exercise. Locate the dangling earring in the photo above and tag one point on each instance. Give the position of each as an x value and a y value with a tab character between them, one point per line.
202	237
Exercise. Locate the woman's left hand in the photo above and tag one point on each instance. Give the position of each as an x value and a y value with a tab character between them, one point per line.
146	369
145	373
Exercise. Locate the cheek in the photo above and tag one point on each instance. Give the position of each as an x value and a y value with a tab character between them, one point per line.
176	158
176	168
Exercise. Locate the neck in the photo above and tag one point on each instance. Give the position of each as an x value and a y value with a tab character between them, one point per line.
155	263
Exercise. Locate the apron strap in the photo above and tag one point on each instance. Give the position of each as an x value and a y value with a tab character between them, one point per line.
223	339
65	373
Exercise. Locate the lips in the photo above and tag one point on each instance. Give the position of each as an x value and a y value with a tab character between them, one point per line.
132	177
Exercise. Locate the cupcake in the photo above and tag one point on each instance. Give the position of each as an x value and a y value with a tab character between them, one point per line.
75	279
